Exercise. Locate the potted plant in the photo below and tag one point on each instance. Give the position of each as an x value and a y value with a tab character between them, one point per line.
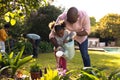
35	71
10	63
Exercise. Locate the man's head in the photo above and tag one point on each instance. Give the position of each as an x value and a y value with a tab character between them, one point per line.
72	15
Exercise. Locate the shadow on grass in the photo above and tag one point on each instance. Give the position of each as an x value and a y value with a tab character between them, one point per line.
109	61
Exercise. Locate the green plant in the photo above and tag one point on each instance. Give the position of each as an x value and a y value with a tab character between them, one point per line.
45	47
12	61
34	68
115	75
28	46
50	14
35	71
50	75
88	73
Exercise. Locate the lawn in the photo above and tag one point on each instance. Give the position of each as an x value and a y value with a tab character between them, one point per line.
109	61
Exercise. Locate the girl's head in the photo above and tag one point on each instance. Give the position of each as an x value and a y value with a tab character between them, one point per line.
59	28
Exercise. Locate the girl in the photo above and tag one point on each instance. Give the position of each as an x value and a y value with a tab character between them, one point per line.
65	45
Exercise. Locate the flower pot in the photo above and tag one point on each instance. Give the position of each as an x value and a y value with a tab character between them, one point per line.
35	75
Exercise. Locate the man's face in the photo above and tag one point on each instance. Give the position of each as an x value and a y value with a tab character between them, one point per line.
72	15
72	19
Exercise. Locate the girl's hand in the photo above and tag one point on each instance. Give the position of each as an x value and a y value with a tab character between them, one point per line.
65	41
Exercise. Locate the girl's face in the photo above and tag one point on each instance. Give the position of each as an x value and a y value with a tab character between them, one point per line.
60	33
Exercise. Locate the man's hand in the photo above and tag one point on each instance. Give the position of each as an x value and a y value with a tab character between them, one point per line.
82	33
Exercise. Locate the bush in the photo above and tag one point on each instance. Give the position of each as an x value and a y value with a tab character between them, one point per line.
34	68
45	47
39	23
19	44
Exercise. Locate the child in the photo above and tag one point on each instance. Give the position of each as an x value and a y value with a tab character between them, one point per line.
64	39
3	37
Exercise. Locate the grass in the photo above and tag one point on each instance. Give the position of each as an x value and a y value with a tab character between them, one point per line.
105	60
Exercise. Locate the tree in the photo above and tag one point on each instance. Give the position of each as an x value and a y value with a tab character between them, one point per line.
109	26
10	9
25	5
16	12
92	21
39	23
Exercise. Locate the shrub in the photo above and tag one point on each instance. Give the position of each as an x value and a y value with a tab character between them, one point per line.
45	47
17	46
39	23
34	68
13	62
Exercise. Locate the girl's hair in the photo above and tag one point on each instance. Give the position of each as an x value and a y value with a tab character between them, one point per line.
59	26
51	25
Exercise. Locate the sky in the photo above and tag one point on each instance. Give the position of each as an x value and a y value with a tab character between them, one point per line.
96	8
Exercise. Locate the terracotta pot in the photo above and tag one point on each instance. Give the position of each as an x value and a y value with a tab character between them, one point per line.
35	75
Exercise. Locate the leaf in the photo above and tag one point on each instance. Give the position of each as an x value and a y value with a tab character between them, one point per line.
11	55
7	19
90	76
1	69
19	55
113	74
13	22
0	57
7	14
12	15
24	60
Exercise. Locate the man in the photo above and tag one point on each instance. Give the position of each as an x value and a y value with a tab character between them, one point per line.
3	37
79	22
35	40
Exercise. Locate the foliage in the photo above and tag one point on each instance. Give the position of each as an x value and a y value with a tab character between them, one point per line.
13	61
25	5
17	11
110	26
34	68
28	48
39	23
12	17
50	75
45	47
104	66
115	75
92	21
91	74
18	44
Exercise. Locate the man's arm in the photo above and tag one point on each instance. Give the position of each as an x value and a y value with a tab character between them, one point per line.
85	25
82	33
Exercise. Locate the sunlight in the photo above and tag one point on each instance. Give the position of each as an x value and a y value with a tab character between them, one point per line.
96	8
